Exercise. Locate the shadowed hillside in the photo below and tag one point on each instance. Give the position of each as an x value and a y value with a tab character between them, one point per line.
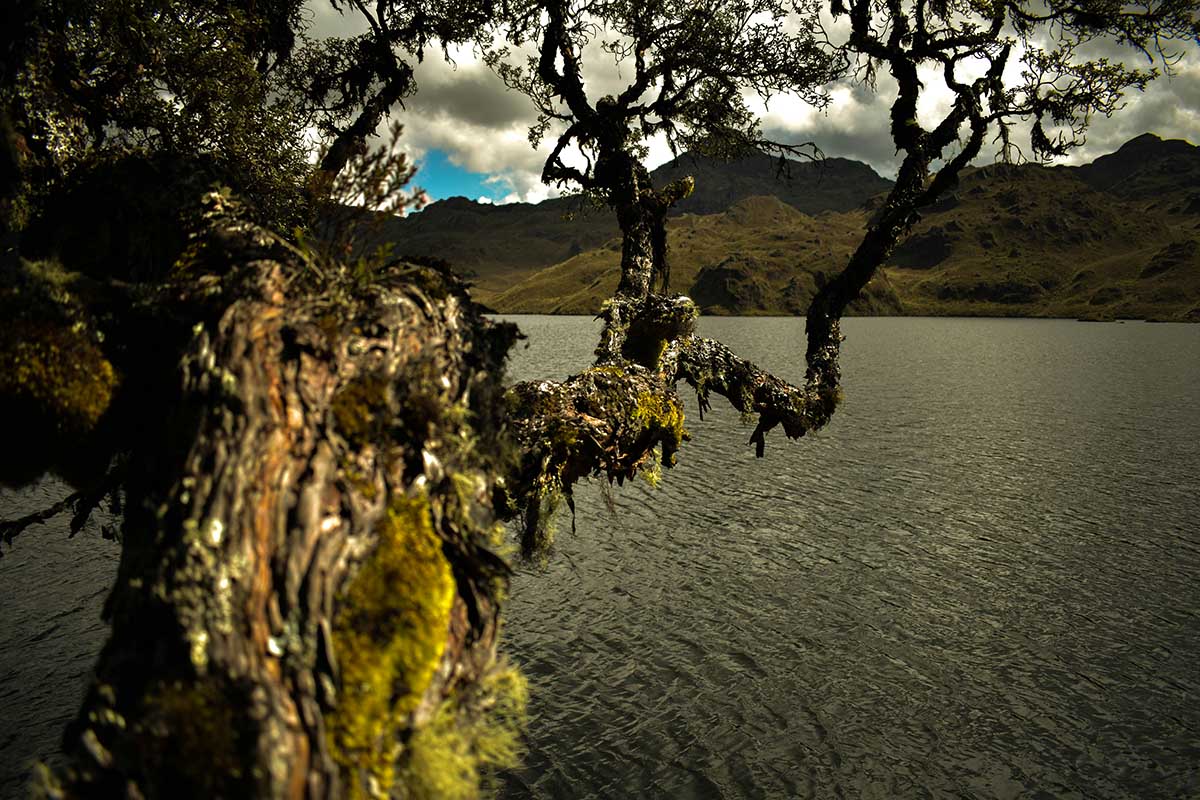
498	246
494	246
741	261
1116	238
831	184
1149	169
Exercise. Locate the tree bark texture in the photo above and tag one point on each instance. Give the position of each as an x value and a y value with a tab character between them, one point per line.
309	587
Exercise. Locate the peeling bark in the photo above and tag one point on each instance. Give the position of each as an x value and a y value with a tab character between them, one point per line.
309	575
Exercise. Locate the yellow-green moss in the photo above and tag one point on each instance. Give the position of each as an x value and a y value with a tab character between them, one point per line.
540	537
357	480
607	369
652	472
469	739
60	370
355	406
664	413
389	636
188	731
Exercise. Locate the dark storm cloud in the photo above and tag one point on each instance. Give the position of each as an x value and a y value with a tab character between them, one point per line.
856	125
471	93
1172	111
465	111
854	139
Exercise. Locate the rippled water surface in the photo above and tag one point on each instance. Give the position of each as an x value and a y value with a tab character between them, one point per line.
979	581
51	591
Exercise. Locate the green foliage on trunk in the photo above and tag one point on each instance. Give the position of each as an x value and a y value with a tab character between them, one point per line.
390	634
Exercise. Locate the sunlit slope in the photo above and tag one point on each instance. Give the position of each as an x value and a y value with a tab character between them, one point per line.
1036	241
498	246
1116	238
759	257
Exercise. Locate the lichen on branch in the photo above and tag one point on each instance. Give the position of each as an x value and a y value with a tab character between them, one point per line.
623	414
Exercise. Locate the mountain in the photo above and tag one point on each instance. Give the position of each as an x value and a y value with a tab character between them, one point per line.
497	246
740	261
1149	169
1030	240
813	187
1119	237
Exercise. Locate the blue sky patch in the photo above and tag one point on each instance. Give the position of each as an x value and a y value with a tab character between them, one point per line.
441	179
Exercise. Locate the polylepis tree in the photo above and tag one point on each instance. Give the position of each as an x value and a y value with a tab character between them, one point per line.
1011	69
304	451
689	68
312	457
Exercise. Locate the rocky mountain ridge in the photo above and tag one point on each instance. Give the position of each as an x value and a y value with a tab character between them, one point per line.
1119	237
499	245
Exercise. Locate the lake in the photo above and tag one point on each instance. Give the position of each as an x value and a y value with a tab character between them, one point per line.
979	581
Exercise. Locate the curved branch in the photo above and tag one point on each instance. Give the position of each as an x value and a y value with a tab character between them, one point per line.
709	366
554	171
568	84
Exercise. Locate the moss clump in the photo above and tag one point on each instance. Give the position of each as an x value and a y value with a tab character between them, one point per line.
658	322
471	737
189	738
611	371
664	414
537	536
652	473
831	397
356	405
389	634
57	371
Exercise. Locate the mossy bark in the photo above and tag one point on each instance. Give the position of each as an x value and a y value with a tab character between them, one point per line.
309	574
314	466
623	415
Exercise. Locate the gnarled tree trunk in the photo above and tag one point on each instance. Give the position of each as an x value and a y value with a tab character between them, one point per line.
309	587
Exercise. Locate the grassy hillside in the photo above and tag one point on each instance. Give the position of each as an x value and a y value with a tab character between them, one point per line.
741	261
1036	241
498	246
1117	238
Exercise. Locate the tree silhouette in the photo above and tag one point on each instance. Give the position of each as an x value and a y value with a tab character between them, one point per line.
690	67
973	47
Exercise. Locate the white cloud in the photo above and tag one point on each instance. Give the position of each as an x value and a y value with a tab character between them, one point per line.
463	110
326	22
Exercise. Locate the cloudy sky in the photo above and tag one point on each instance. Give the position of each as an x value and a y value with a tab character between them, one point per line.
469	136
